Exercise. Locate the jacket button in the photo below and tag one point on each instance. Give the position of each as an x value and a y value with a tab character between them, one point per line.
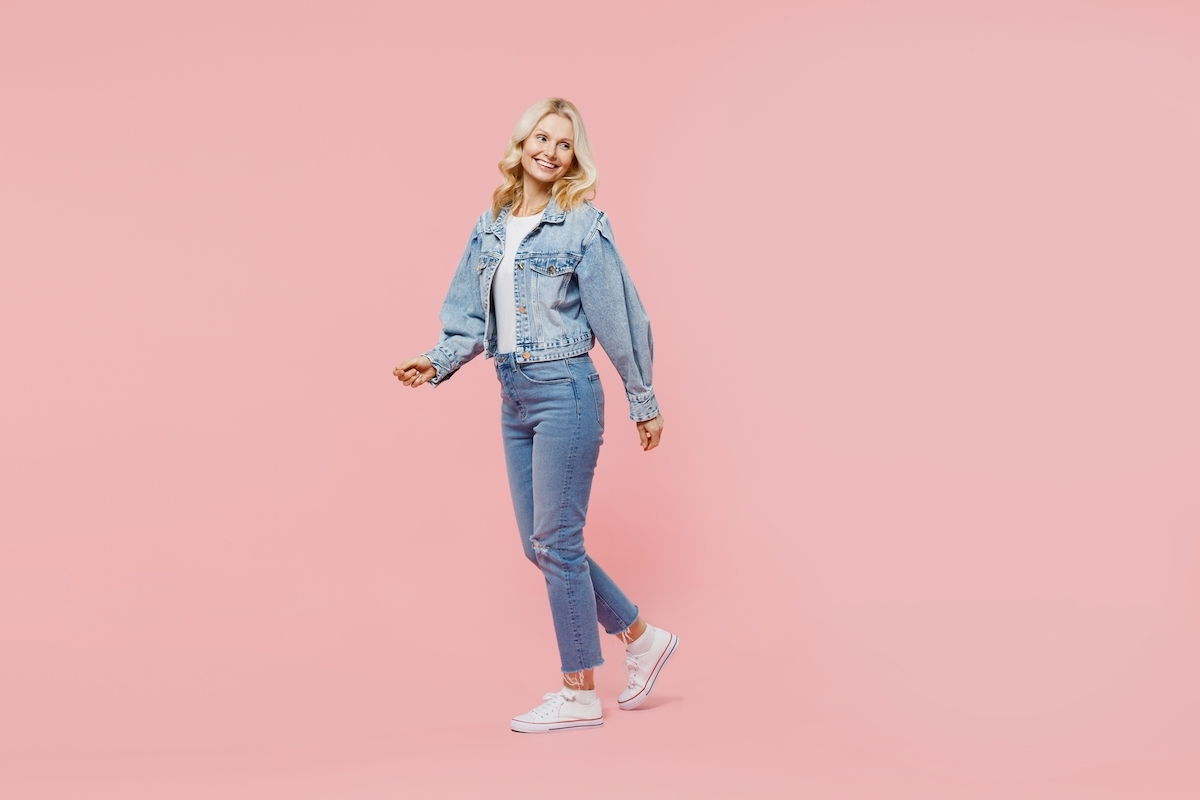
551	269
521	309
520	266
525	354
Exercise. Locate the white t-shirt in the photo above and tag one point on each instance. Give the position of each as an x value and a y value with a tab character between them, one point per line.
504	287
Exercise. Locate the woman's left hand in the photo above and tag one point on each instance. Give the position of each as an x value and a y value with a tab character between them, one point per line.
651	432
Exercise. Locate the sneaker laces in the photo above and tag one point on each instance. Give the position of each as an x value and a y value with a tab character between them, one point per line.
553	701
632	665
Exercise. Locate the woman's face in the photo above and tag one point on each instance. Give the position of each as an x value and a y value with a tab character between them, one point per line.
549	151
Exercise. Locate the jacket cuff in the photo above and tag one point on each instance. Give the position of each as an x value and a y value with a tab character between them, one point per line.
642	407
444	370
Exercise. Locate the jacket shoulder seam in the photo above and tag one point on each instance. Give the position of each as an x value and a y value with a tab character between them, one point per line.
595	226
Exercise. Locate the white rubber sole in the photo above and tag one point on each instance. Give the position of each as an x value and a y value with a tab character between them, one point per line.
558	725
641	696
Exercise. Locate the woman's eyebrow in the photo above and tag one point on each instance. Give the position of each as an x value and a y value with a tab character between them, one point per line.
536	131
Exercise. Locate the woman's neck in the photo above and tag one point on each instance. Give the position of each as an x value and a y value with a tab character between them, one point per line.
534	198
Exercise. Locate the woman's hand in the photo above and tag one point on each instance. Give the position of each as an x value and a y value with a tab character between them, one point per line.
415	371
651	432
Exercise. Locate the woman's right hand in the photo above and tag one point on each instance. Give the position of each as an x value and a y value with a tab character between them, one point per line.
415	371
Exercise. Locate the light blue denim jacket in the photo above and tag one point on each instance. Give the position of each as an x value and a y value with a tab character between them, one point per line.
572	288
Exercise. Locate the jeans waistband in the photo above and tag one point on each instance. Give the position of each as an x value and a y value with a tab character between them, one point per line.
505	358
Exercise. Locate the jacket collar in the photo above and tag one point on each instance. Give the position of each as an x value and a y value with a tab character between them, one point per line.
552	214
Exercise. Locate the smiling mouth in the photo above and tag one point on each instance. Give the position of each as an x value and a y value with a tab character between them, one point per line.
545	164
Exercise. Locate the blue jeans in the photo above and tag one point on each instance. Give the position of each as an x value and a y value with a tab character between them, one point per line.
552	418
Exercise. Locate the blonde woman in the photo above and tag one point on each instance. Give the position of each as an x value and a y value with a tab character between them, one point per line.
539	284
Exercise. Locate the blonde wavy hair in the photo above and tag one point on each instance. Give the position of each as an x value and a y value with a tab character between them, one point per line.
574	188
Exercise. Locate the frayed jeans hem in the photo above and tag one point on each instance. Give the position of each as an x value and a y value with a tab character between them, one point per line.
599	663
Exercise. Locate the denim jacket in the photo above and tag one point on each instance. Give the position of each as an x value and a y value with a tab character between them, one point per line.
572	289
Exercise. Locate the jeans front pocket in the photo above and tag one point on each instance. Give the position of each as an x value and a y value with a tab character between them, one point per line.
545	373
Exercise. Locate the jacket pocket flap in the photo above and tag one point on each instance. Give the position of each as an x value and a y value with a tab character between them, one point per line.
560	264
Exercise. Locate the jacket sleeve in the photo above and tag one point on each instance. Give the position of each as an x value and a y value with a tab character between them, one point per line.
462	316
616	315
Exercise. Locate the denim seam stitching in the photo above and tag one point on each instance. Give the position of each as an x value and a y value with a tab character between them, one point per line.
568	474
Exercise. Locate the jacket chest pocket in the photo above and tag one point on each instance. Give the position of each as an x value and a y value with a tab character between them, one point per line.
550	277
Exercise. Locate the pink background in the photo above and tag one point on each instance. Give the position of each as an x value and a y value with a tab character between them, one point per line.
924	283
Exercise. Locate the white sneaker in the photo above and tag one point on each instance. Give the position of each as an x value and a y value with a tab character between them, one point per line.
560	711
643	670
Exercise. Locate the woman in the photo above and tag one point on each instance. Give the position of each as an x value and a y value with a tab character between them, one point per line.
539	283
